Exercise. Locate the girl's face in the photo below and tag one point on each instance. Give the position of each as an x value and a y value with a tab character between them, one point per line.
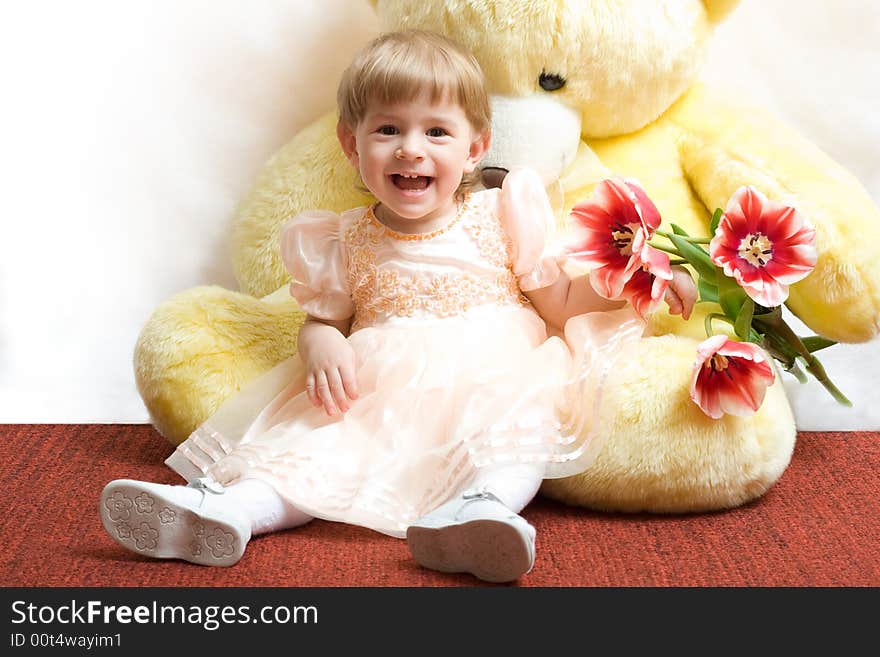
412	157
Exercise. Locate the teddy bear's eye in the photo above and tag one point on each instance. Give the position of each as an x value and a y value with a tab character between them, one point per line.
551	81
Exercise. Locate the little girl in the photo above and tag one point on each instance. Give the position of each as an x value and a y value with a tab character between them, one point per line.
427	400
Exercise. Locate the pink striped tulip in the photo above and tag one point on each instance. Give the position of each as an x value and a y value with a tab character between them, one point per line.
730	377
766	246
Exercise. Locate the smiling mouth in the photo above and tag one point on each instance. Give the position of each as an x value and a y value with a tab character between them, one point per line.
411	183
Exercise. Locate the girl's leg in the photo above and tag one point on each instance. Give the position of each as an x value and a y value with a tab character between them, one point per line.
265	509
204	523
515	485
479	531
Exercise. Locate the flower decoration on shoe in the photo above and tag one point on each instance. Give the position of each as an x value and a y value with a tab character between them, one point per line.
758	249
118	506
166	516
143	503
145	537
729	377
764	245
220	542
611	232
123	530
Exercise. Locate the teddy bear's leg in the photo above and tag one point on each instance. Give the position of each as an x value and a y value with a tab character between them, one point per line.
660	453
203	345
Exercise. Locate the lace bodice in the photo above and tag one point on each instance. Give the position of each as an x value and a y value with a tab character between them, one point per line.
354	265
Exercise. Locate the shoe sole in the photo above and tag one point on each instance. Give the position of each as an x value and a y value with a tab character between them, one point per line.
493	550
140	518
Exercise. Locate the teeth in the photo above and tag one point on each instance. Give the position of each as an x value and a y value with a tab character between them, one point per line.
409	175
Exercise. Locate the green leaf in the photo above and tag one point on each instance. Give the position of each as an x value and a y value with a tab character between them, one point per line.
816	342
708	292
697	257
678	230
731	297
716	219
743	324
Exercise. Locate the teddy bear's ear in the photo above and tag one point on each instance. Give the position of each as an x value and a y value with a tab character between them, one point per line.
718	9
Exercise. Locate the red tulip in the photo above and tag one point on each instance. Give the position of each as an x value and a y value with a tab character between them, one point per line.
730	377
766	246
611	232
647	285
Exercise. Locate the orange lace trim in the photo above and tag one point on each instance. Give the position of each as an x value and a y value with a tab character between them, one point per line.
415	237
379	293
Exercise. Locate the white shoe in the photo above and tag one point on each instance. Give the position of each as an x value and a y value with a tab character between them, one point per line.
174	522
476	534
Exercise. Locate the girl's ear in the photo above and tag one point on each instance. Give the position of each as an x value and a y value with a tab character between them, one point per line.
478	150
348	142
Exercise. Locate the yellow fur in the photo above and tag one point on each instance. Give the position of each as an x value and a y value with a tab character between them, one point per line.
630	79
631	68
660	455
309	172
204	344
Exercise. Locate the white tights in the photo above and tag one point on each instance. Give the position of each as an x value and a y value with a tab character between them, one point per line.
266	510
515	485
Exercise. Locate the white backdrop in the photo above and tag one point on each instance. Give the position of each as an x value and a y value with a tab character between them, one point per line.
130	131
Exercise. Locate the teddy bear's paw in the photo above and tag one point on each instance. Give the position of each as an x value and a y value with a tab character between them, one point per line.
840	298
201	346
660	453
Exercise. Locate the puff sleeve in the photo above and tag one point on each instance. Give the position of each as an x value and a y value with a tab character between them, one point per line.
528	219
315	256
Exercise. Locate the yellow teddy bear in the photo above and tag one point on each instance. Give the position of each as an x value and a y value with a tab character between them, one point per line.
582	90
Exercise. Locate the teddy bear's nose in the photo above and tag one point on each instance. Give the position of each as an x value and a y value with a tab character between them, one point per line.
493	176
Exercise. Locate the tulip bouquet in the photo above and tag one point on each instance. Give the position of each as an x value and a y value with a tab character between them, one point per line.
757	250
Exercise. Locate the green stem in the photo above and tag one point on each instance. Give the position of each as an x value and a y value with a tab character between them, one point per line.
667	249
677	261
707	323
782	332
798	373
780	350
692	240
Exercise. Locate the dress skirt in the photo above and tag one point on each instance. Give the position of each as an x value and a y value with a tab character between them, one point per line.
439	398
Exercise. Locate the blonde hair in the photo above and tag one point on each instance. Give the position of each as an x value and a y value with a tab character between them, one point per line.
400	66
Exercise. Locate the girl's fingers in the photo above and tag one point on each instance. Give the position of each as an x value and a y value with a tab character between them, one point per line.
322	389
310	390
689	300
686	290
336	390
681	295
673	301
349	382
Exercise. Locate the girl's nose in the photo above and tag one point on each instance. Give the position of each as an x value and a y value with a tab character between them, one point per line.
409	150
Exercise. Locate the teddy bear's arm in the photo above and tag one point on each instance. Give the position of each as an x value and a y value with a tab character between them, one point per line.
723	146
309	173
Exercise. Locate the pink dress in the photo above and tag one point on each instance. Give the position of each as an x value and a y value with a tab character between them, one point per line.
455	370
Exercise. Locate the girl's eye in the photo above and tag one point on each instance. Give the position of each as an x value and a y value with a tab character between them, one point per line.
437	132
387	130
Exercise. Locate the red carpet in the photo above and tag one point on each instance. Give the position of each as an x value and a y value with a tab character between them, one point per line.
818	526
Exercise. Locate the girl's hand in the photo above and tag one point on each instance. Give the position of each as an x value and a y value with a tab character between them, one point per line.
330	367
330	381
681	295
